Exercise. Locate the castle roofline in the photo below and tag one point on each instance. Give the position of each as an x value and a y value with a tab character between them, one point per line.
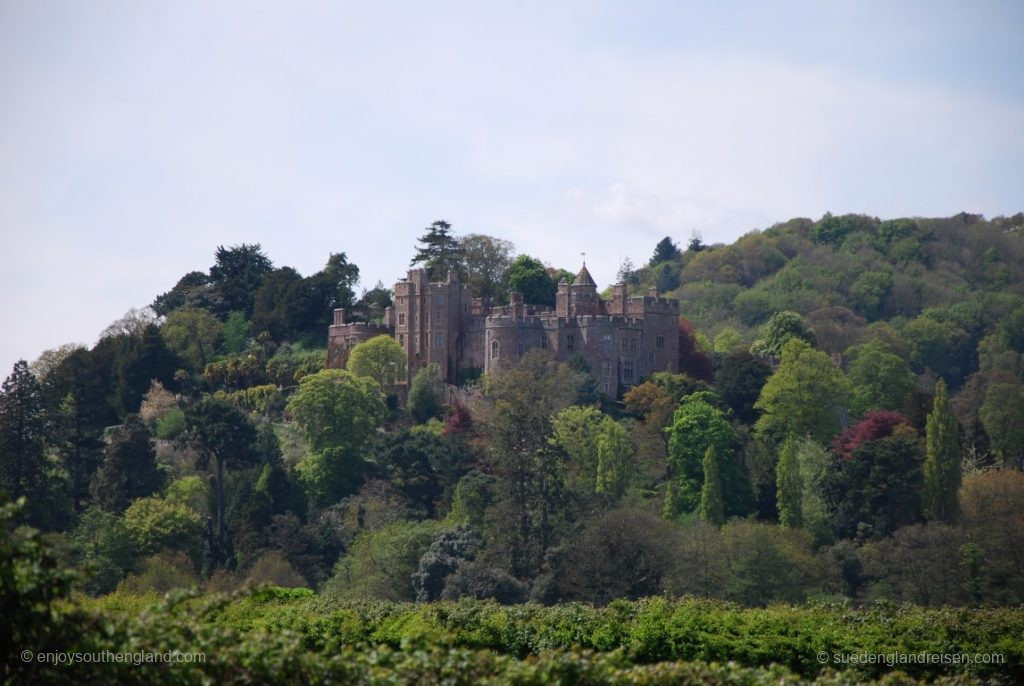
583	278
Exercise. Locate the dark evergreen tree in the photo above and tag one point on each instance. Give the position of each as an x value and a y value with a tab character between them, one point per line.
446	554
129	468
192	290
739	379
877	490
664	251
23	467
439	252
78	411
238	272
143	359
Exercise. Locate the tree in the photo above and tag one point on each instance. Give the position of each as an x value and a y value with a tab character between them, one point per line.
285	305
1002	415
878	490
942	459
881	379
575	431
782	327
625	553
527	275
614	458
221	434
380	564
155	524
521	456
337	409
192	290
696	426
790	486
192	334
381	358
439	252
237	274
129	470
739	380
101	546
692	359
236	333
22	437
664	251
447	552
426	393
485	260
804	396
712	509
144	357
76	393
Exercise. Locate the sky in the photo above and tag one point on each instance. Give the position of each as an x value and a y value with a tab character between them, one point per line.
136	137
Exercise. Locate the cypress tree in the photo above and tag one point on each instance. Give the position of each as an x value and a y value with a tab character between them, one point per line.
129	469
942	459
712	508
789	486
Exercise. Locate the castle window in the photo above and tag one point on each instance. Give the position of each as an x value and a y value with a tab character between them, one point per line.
650	360
660	341
627	371
521	349
623	345
401	318
401	339
570	341
494	350
606	370
543	342
426	316
606	344
438	340
632	345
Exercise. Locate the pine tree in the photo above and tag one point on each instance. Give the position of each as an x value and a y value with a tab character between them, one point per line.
789	487
942	460
670	508
712	508
440	252
664	251
22	432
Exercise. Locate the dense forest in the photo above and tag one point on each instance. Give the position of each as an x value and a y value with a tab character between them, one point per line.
848	423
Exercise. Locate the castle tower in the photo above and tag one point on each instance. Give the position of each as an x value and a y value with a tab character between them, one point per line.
583	295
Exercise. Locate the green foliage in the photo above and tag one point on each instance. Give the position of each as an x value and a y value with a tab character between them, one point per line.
380	563
880	379
527	275
804	396
942	470
237	274
790	486
485	261
614	458
381	358
193	334
575	430
156	524
782	327
426	393
171	425
712	508
102	548
337	409
235	334
1002	415
696	426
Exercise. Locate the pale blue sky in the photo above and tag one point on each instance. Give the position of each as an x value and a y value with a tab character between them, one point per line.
135	137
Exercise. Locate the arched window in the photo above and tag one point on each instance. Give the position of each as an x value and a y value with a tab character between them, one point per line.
494	350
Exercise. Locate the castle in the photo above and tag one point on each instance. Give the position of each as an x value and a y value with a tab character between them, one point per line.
622	339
